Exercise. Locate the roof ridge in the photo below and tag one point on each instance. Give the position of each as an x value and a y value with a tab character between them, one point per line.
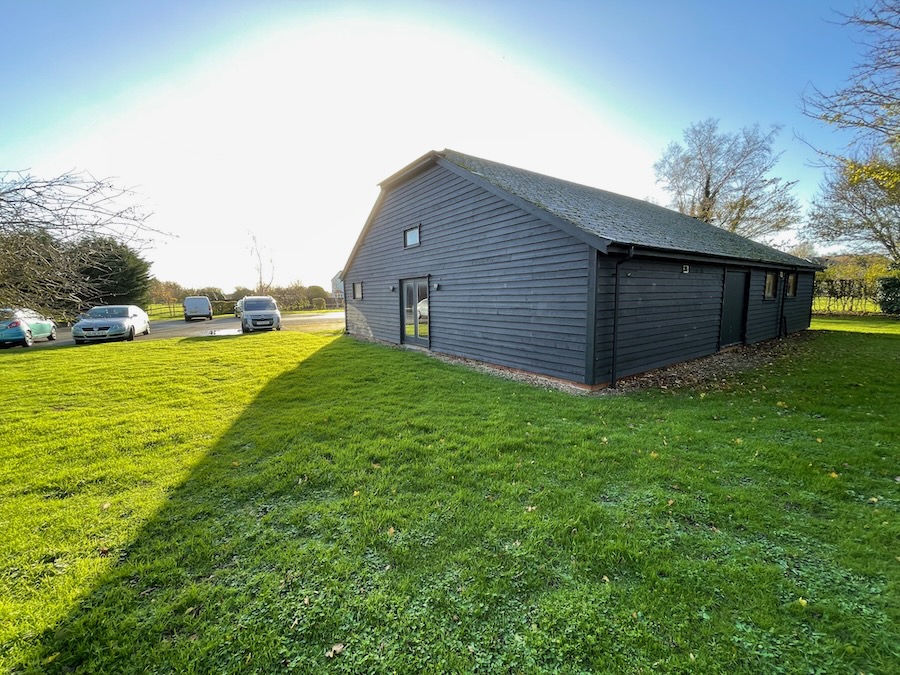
619	218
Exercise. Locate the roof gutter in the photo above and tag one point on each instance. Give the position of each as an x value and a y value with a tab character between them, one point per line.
689	256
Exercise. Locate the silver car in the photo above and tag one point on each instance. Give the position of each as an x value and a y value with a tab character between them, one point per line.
259	312
111	322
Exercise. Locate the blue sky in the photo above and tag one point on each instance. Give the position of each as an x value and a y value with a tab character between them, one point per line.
277	119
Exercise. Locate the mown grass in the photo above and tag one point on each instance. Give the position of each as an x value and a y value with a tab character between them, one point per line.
291	502
884	325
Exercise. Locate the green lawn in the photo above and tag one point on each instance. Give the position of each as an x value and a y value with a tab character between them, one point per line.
295	502
874	324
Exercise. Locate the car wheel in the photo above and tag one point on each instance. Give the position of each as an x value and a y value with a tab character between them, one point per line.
209	317
244	328
187	319
130	335
52	335
147	329
27	341
278	327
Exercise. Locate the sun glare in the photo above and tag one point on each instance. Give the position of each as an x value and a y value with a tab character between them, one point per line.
286	136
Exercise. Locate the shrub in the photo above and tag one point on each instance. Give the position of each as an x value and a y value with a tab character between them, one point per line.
889	295
318	303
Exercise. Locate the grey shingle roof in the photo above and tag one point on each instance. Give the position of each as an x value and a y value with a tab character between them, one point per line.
619	219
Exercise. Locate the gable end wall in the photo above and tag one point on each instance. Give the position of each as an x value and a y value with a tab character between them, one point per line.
512	288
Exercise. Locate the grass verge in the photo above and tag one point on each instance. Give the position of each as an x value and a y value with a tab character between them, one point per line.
294	502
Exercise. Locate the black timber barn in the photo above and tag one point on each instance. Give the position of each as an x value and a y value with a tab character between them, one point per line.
473	258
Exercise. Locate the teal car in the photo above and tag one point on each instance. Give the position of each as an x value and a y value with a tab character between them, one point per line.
23	327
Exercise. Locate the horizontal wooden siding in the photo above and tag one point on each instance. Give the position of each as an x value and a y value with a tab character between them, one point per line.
665	315
512	289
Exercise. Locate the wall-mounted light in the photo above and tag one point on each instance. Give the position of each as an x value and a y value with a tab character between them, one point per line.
435	286
392	288
685	269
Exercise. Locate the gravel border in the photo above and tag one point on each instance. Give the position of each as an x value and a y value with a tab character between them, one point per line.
708	372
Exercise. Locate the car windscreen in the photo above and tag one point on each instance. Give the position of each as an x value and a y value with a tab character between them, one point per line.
258	305
108	313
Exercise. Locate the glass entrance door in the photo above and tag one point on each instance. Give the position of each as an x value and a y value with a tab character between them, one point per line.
415	311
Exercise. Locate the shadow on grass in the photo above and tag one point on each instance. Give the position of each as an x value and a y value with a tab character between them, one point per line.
281	542
244	525
431	518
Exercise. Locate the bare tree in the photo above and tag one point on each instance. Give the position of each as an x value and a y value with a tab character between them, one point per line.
41	220
262	286
860	211
803	249
725	180
859	201
869	105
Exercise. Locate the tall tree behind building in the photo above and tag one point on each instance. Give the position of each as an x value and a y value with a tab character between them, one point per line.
859	201
869	105
725	179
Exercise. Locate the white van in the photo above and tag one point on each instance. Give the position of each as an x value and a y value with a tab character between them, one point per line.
197	306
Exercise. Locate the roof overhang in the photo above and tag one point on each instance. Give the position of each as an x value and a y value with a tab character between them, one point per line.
619	248
571	229
410	171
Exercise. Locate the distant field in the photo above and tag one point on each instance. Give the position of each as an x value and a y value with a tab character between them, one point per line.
159	312
839	306
304	502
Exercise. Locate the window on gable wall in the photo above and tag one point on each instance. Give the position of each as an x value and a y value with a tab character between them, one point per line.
771	289
357	290
791	288
411	237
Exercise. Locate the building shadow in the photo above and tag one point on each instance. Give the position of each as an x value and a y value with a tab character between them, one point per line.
253	513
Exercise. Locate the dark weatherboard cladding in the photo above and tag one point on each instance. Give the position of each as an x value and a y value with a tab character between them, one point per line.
531	272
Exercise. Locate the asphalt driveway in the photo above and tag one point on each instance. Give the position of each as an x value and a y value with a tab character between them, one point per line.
225	325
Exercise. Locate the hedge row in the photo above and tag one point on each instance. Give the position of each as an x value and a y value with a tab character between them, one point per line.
858	295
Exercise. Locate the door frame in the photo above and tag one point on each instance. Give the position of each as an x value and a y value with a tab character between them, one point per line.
415	339
745	302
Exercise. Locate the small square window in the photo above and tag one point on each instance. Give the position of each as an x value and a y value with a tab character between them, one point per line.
791	288
357	290
411	237
771	290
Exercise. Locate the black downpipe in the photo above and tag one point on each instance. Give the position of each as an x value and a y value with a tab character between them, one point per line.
346	321
782	319
615	335
783	287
